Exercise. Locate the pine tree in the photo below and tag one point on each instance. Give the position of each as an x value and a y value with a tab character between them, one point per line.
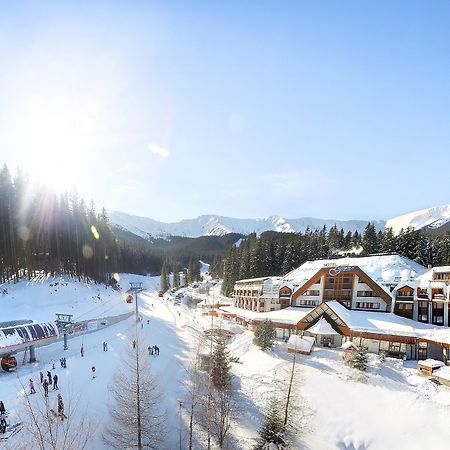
370	240
359	360
264	334
220	369
164	280
273	431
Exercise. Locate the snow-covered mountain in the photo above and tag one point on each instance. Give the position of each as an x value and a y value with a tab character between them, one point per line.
211	225
431	218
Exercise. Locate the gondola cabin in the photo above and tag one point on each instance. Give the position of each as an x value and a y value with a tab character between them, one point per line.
8	363
129	298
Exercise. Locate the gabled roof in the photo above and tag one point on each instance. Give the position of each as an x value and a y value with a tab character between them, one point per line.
366	321
384	269
380	290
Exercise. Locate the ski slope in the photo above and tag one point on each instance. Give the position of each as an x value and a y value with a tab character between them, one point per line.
330	408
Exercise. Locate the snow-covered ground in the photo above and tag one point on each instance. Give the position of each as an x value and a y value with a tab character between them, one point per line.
394	408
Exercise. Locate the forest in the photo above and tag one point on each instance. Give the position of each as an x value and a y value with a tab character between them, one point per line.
275	254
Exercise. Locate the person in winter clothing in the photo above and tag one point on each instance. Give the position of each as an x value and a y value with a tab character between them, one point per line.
3	423
60	407
41	376
45	386
93	372
82	351
156	350
134	344
55	382
148	321
32	390
2	407
150	350
49	376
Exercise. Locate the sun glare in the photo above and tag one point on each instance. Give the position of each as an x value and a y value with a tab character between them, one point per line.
57	140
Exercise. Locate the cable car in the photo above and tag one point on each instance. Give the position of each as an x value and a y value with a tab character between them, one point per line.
129	298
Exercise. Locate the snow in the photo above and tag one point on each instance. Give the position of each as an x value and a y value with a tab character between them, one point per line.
384	269
380	322
433	217
322	327
213	225
301	343
331	408
433	363
64	295
287	315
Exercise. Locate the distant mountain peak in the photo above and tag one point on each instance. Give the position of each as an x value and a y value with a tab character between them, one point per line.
214	225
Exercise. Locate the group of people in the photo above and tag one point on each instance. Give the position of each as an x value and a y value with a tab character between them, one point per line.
46	382
153	350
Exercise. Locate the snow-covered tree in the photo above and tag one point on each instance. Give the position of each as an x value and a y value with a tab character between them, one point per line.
264	334
272	434
136	420
359	360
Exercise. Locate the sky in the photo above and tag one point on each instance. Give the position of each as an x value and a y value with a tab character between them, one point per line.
171	110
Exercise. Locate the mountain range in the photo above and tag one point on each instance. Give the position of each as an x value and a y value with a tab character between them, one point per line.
212	225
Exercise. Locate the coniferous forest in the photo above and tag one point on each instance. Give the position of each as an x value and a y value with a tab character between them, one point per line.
273	253
42	232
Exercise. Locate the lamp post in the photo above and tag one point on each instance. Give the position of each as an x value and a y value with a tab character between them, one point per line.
180	404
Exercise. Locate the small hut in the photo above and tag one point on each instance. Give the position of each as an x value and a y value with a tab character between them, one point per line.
348	350
300	344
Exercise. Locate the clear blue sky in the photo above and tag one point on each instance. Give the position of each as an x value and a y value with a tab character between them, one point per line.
335	109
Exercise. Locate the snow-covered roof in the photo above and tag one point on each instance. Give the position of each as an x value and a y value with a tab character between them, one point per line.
347	345
384	269
433	363
286	315
380	322
301	343
322	327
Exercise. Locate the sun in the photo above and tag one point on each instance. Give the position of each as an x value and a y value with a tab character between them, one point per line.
57	141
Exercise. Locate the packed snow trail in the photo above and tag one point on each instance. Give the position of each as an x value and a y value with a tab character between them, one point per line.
163	330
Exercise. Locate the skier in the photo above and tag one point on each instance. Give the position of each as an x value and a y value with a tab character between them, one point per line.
60	407
156	350
93	372
41	376
2	407
55	382
134	344
64	362
32	390
53	364
82	350
45	386
49	376
150	350
106	346
148	321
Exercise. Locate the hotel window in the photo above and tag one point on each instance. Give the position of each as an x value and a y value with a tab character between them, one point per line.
308	303
367	305
312	293
364	294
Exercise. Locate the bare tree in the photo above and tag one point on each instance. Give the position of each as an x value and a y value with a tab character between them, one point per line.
195	389
136	418
44	429
222	413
